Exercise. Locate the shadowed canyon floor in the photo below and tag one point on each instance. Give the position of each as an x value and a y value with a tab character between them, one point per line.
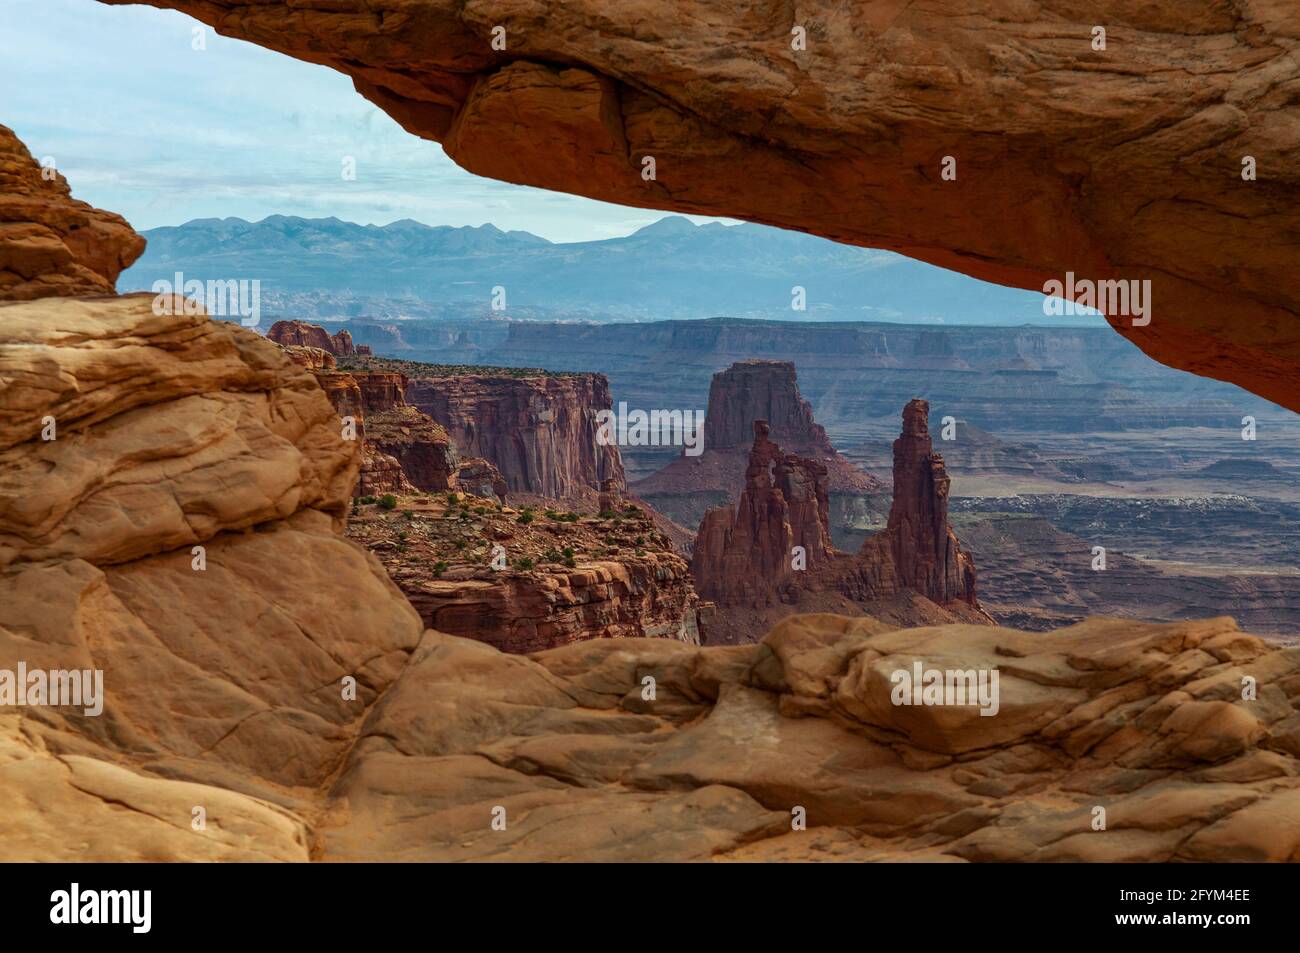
223	683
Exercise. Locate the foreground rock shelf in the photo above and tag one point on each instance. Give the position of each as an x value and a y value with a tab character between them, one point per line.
227	687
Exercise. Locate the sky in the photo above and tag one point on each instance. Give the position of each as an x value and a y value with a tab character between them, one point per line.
151	114
143	124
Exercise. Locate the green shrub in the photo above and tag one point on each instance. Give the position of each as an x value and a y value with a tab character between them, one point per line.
525	517
388	502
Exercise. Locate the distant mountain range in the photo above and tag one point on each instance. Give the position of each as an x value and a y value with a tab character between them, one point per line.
671	269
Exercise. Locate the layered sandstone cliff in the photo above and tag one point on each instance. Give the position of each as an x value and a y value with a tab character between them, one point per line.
1162	154
50	243
303	334
540	432
745	392
402	449
761	390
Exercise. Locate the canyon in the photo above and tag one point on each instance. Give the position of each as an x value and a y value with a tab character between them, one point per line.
610	573
177	494
1025	383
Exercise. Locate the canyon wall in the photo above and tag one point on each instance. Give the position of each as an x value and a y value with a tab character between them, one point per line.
527	581
648	597
1164	155
98	570
50	243
403	450
540	432
761	390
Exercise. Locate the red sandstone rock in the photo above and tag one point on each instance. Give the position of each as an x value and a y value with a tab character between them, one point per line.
302	334
540	432
312	358
559	581
761	390
745	392
608	501
50	243
421	446
926	554
480	477
745	556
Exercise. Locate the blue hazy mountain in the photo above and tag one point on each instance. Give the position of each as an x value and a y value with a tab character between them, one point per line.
673	268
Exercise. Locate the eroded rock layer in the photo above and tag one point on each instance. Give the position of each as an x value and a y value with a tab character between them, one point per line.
525	580
687	487
1125	160
745	392
50	243
774	547
540	432
747	555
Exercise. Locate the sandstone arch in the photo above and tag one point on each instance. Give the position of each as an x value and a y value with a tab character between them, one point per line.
1118	163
